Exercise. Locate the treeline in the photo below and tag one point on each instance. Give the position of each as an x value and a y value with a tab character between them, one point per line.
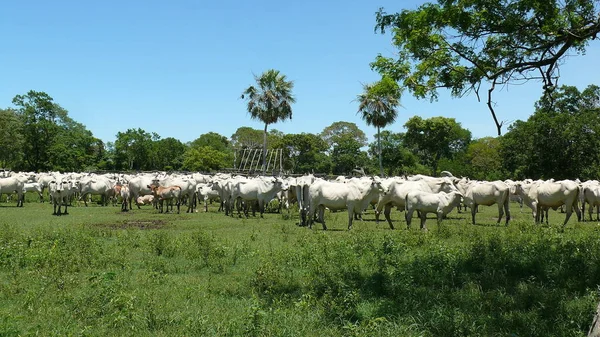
561	139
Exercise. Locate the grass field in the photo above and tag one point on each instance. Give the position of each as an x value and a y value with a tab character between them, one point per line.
99	272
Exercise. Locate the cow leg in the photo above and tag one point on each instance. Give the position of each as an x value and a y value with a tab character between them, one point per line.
577	211
500	213
351	216
423	219
303	216
440	217
190	208
473	211
322	216
569	212
507	209
408	217
178	205
386	213
378	212
261	207
65	212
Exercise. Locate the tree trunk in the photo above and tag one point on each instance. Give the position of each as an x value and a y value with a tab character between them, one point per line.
264	164
379	151
595	328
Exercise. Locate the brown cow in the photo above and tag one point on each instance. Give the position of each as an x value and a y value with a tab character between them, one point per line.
162	193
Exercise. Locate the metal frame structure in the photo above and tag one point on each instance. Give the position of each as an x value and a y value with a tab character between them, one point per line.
250	160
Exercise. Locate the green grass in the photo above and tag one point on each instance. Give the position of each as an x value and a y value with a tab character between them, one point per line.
98	271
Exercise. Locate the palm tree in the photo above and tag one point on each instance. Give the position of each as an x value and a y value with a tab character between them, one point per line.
270	101
377	106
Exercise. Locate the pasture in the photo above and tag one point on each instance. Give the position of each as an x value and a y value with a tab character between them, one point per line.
98	272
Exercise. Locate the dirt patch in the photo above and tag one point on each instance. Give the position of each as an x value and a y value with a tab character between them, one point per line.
137	224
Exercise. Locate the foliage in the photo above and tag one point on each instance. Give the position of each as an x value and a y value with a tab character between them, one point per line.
206	159
560	140
337	131
52	140
246	137
167	154
75	148
484	160
214	140
435	138
11	139
463	45
270	101
305	153
133	149
346	155
396	157
377	107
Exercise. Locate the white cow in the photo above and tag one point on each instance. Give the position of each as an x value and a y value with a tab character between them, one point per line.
124	192
486	193
138	186
261	190
398	190
514	197
354	197
10	185
541	195
143	200
206	193
97	185
34	187
590	194
59	190
301	192
440	203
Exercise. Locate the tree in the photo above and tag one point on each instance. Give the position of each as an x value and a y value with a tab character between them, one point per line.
377	107
560	140
483	157
346	155
270	101
204	158
339	130
463	45
396	158
210	151
39	115
11	139
305	153
214	140
74	147
435	138
133	149
246	137
168	154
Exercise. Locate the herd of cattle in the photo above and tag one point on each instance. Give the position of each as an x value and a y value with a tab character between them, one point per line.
424	194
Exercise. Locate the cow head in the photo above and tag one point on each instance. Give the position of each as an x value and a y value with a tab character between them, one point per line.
377	183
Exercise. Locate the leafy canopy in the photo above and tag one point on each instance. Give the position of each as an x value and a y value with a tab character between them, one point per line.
378	102
435	138
463	45
271	99
559	141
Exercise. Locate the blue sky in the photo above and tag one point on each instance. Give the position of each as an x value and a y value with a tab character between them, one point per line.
177	68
